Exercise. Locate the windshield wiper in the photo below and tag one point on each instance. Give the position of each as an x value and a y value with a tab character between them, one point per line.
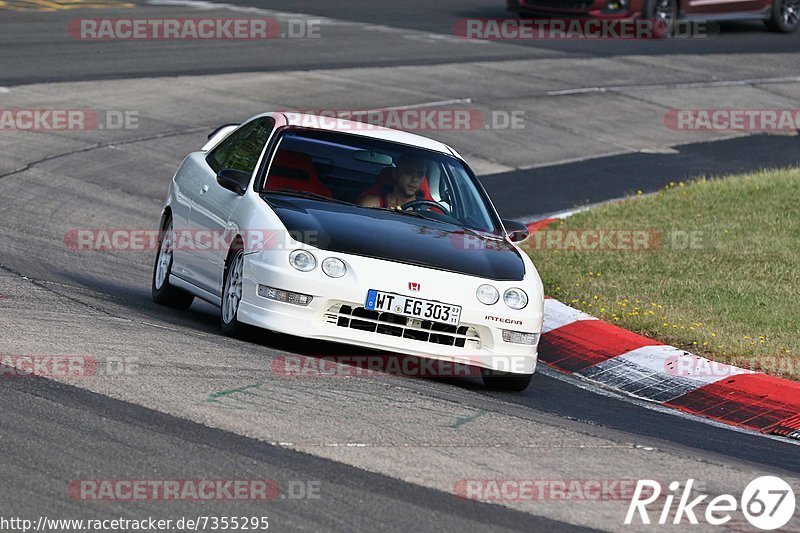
474	233
408	213
306	194
432	219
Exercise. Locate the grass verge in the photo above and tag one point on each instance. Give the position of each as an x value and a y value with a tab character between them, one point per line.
712	266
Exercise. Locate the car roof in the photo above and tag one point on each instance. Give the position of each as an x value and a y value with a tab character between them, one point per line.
327	123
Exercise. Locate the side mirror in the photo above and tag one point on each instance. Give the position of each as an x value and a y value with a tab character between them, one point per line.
234	180
517	231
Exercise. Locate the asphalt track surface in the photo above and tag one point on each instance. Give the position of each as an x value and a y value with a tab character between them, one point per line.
204	406
565	186
60	418
36	47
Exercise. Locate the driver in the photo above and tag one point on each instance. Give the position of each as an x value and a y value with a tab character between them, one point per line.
405	187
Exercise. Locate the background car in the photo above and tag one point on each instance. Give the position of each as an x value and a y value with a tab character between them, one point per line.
778	15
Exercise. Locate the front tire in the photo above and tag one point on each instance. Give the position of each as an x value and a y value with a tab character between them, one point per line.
663	13
232	294
785	16
163	292
505	381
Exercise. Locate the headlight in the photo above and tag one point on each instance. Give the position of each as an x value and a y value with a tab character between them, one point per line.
487	295
515	298
613	6
334	267
302	260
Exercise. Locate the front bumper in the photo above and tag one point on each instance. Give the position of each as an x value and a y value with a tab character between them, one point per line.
336	311
602	9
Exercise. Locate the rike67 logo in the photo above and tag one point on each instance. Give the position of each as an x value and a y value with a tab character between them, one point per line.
767	503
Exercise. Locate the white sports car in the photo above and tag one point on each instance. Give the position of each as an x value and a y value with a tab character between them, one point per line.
341	231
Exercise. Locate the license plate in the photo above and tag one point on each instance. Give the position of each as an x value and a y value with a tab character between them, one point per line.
413	307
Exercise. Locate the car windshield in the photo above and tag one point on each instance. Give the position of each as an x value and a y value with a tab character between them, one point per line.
372	173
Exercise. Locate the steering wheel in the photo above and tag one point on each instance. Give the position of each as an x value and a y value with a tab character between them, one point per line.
430	204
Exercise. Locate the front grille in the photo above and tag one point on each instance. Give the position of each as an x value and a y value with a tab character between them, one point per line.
383	323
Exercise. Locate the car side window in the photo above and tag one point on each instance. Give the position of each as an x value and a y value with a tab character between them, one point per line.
242	149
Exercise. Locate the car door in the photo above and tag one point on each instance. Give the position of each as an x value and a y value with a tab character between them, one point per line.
189	179
214	204
718	9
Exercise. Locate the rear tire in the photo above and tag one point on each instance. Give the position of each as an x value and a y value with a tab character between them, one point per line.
163	292
232	293
505	380
785	16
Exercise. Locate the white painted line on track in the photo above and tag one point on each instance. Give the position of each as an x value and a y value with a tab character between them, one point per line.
422	105
569	212
689	85
522	445
4	90
202	5
158	326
